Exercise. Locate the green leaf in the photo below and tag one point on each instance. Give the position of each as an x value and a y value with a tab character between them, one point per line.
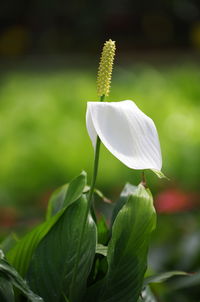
128	247
66	194
75	188
11	275
20	255
126	192
63	259
6	289
158	278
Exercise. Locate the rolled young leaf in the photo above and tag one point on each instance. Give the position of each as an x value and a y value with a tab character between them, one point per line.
128	247
128	133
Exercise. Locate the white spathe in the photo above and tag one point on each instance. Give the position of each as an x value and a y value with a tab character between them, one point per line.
128	133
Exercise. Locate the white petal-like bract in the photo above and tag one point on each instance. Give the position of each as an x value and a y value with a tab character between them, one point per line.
128	133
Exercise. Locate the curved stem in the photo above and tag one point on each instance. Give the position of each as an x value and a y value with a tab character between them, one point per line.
96	164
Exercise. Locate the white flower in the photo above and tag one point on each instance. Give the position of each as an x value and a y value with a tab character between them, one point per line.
127	133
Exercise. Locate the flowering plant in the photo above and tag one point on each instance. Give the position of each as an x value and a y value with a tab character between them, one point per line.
74	256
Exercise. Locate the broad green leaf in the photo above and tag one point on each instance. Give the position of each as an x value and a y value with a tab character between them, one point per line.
147	296
158	278
6	289
8	272
127	191
128	247
20	255
63	259
66	194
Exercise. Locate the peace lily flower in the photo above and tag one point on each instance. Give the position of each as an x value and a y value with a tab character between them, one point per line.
128	133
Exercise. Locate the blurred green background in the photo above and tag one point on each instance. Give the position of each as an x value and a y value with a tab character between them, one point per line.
44	141
48	64
43	137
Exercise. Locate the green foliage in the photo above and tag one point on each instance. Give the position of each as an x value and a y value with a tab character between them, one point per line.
60	258
71	258
22	252
128	247
9	277
6	289
63	259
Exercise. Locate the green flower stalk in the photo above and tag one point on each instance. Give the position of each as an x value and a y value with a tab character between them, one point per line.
105	68
103	88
